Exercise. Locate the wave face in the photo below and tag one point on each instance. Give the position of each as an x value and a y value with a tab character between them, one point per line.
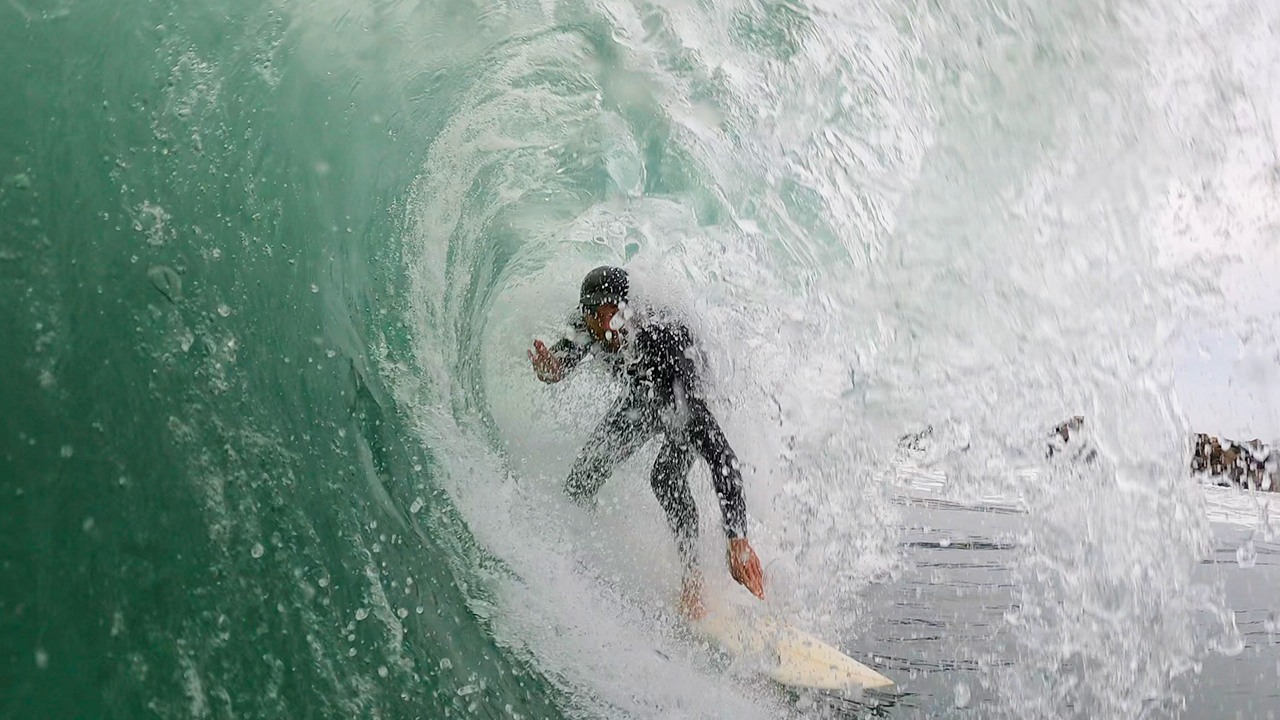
271	447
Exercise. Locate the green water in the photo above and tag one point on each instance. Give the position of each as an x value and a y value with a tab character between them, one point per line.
269	446
206	492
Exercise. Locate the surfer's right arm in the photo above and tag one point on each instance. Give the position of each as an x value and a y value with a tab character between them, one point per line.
546	365
551	364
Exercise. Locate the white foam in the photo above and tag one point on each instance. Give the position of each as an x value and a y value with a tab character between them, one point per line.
921	215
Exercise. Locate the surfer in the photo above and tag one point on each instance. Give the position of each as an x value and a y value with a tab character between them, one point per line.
655	356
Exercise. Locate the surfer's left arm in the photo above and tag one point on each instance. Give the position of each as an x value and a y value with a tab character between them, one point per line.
744	565
726	477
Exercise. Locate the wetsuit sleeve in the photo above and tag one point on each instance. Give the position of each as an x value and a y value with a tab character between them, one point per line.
567	350
569	353
726	475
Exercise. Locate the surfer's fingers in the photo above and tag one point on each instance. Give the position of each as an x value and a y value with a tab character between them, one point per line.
756	576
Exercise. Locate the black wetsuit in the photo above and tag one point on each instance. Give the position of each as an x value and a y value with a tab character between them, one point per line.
662	397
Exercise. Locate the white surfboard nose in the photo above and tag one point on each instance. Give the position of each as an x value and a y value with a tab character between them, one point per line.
788	655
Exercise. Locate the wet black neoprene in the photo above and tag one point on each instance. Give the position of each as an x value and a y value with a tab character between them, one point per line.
662	397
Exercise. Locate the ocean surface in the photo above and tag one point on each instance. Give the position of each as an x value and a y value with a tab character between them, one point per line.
270	446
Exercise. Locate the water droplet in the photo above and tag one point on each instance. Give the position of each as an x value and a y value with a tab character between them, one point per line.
87	525
224	310
257	550
351	652
416	506
963	696
166	281
945	542
42	658
66	451
1247	555
1232	642
324	582
382	671
402	613
315	288
362	613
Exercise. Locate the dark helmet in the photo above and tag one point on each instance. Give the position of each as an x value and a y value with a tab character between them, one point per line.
602	286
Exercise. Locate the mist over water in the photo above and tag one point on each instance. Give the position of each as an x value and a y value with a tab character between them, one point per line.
272	448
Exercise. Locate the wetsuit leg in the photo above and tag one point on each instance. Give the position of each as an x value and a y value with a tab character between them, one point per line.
627	425
670	481
707	438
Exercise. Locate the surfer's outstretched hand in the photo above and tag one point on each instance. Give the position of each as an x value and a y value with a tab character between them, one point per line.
545	364
744	566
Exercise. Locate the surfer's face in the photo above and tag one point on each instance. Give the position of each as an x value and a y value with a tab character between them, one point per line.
605	325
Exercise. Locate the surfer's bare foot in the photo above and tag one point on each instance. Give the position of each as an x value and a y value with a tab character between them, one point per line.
691	597
744	566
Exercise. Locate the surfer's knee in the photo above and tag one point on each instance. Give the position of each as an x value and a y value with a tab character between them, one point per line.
585	479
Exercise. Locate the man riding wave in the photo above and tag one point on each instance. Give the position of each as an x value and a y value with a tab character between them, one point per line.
655	357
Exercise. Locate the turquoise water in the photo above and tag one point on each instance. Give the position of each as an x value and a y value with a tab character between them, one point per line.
207	489
269	446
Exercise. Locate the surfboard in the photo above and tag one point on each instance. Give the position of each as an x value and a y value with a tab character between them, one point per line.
788	655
